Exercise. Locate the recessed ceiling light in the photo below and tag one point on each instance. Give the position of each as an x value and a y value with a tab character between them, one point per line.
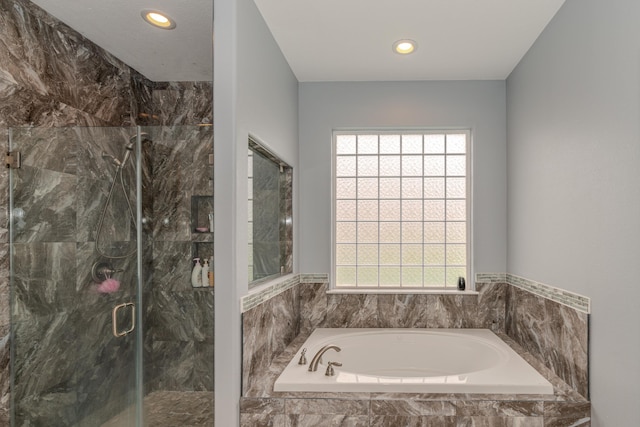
158	19
405	46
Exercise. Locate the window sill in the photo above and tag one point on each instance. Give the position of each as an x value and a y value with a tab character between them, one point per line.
403	291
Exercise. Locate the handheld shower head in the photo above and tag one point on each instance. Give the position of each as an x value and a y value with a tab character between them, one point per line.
113	160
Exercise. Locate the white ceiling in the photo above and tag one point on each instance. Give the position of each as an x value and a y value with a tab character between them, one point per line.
346	40
328	40
182	54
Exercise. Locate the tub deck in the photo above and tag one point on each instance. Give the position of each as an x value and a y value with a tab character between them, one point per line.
260	405
403	361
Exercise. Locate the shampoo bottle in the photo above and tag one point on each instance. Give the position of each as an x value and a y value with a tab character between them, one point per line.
196	274
205	273
211	277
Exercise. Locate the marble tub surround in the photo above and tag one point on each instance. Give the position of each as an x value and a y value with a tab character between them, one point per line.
551	331
417	310
279	312
550	323
554	333
261	406
284	310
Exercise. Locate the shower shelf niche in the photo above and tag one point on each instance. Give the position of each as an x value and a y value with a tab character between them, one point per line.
201	232
201	208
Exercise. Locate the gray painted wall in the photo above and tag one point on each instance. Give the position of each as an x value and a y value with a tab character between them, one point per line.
255	93
479	105
573	183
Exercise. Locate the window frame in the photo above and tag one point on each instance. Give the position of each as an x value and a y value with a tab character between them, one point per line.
470	285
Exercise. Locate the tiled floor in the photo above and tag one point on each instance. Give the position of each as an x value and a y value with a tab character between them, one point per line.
172	409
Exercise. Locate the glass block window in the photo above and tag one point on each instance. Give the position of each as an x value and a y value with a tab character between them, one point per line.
401	209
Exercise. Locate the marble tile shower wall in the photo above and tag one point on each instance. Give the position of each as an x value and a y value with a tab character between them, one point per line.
74	83
179	319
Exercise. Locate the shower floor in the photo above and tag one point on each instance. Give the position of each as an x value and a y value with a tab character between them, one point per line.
171	409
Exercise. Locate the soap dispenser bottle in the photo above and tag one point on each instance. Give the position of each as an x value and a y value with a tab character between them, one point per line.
196	274
205	273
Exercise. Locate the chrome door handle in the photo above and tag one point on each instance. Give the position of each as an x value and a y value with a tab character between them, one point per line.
114	319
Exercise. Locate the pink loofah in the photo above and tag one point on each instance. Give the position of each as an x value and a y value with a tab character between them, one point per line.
108	286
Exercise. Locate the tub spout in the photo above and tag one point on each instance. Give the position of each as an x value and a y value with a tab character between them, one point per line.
313	366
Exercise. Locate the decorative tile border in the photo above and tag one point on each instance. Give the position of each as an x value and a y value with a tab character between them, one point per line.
274	288
270	290
491	277
314	278
561	296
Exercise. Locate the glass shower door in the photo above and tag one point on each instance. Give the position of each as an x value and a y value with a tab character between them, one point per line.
75	277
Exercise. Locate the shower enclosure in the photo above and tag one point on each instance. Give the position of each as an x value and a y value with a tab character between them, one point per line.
102	235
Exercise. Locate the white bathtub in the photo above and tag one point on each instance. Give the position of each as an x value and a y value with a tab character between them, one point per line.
413	361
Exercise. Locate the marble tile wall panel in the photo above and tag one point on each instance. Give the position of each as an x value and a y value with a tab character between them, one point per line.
413	413
180	170
313	305
491	305
436	411
47	199
560	414
180	103
412	421
203	316
203	366
402	310
173	365
179	327
41	287
256	350
352	311
172	266
172	195
338	412
554	333
171	316
312	420
71	71
178	313
267	330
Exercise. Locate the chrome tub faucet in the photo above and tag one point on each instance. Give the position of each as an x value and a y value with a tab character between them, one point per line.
313	366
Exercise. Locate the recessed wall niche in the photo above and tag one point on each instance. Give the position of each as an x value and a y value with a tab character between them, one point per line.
270	215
